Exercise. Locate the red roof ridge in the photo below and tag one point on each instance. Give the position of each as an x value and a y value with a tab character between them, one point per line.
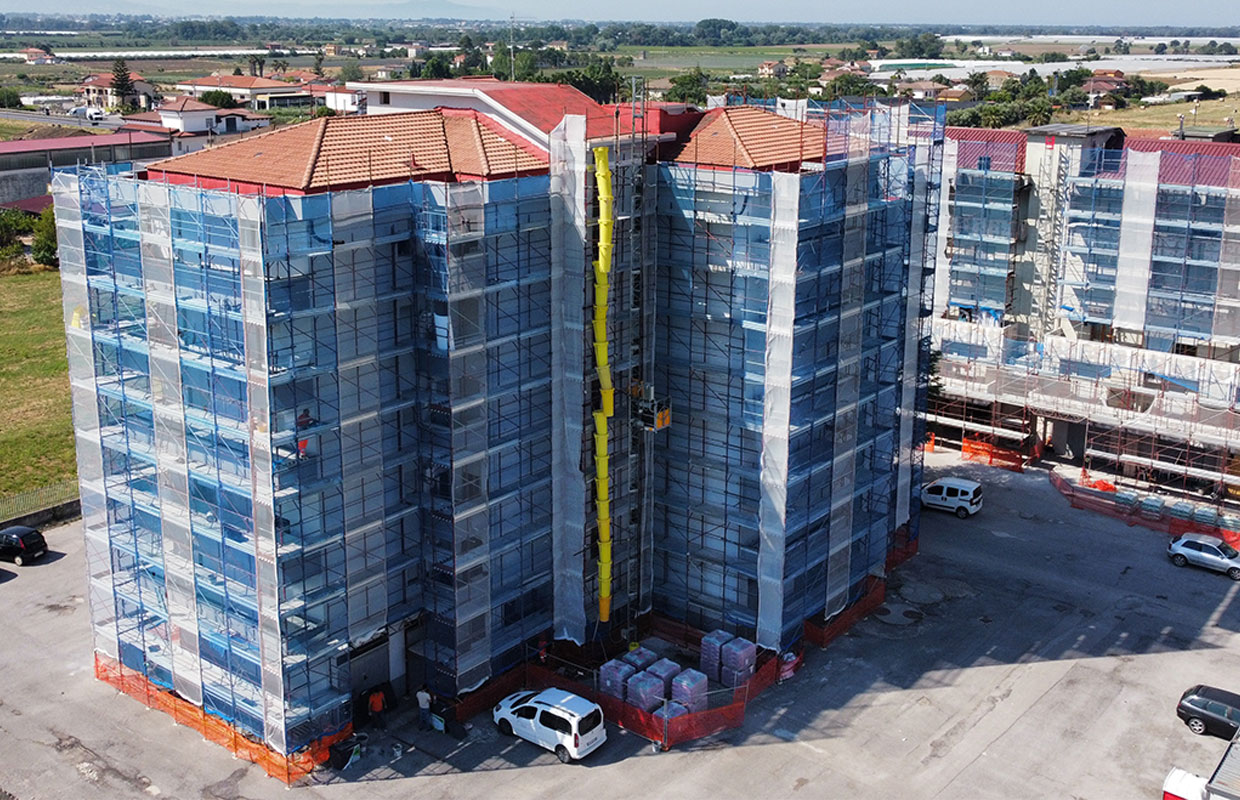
736	136
314	155
482	150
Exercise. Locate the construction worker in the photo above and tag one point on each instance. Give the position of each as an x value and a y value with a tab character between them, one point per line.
424	708
378	704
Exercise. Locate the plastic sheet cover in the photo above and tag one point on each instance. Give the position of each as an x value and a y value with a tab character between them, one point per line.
568	271
777	389
1132	271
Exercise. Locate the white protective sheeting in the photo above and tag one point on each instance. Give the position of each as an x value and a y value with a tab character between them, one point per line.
568	271
1136	234
776	410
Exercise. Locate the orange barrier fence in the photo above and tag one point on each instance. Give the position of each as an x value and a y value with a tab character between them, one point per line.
490	693
822	635
987	453
1104	501
288	768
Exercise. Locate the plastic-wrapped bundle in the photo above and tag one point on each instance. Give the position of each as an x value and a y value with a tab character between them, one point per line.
738	654
613	676
711	644
672	709
735	677
640	658
666	669
645	691
689	689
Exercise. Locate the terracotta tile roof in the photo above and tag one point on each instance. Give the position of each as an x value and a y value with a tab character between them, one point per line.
333	152
237	82
105	79
745	136
185	103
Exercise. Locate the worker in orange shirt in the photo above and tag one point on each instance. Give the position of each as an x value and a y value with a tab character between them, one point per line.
378	704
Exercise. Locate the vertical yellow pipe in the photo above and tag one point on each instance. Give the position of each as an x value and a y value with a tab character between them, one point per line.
602	270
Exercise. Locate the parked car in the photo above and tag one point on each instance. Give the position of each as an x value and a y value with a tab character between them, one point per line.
570	726
95	115
21	545
1204	551
1206	710
960	496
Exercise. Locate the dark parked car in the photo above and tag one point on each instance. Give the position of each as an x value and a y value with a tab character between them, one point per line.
1206	710
21	545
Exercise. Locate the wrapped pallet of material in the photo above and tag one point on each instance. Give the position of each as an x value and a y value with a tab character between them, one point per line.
738	654
613	676
711	644
640	657
672	709
644	691
689	689
735	677
666	669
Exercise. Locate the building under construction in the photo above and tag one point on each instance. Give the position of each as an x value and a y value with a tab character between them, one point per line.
1088	295
390	398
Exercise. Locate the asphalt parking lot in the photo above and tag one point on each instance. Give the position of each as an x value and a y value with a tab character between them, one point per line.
1032	651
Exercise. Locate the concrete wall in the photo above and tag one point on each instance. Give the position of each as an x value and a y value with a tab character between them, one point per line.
19	184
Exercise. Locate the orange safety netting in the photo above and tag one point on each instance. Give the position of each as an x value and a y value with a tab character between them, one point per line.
1104	502
822	635
973	449
288	768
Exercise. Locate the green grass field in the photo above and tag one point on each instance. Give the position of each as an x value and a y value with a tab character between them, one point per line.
36	437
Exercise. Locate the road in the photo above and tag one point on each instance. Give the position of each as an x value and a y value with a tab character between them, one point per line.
38	118
1032	651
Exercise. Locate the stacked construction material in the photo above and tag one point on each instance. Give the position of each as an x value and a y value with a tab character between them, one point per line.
644	691
666	669
671	709
736	661
689	689
640	658
711	643
613	676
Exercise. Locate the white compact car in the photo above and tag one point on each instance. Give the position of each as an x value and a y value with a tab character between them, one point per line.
960	496
570	726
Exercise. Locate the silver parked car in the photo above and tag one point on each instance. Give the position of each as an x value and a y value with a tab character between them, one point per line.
1205	551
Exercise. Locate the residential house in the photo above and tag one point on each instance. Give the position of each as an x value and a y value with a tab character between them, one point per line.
343	100
558	44
389	73
97	91
957	94
332	50
921	90
193	124
35	55
772	69
245	89
458	61
995	78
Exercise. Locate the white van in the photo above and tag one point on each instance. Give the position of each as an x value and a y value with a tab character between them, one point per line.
960	496
570	726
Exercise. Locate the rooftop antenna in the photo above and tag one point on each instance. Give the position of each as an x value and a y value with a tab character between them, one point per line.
512	48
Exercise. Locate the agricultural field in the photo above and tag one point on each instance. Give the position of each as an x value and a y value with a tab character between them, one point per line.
664	62
1211	113
36	439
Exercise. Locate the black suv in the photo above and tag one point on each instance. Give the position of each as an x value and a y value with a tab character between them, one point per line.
21	545
1206	710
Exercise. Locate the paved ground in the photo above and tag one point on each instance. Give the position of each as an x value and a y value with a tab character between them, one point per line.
1043	655
39	118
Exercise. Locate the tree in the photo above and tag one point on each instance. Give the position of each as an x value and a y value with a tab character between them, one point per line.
43	249
1160	48
689	87
979	84
218	98
237	71
1038	111
10	98
324	111
941	80
318	63
351	71
438	67
122	83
